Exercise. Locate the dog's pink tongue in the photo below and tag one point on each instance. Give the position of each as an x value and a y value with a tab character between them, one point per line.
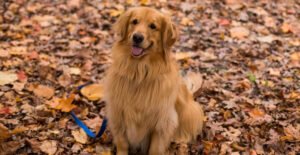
136	51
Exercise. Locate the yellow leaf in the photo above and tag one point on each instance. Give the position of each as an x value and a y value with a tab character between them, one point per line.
93	92
80	136
144	2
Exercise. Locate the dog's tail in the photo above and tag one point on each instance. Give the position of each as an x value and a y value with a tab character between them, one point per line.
190	115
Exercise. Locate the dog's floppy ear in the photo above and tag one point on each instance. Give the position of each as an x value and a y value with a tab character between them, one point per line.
169	35
121	26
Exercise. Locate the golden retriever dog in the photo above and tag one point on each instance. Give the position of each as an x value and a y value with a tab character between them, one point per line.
148	104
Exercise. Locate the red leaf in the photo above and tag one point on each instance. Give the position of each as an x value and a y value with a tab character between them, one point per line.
5	110
224	22
22	76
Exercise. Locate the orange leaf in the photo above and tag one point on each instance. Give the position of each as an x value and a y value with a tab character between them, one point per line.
44	91
66	105
93	92
256	113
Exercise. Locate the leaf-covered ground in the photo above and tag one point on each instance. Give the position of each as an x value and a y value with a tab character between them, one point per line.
248	53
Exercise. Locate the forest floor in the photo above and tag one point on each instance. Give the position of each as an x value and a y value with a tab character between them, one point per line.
248	53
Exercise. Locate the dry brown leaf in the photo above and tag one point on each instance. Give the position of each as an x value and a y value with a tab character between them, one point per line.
274	72
239	32
7	78
4	132
80	136
49	147
11	147
34	144
94	123
44	91
92	92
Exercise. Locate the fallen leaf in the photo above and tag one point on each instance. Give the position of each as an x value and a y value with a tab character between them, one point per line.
144	2
76	147
4	53
239	32
80	136
44	91
115	13
255	112
75	71
94	123
4	132
49	146
65	105
74	3
11	147
293	96
186	22
285	27
291	133
224	22
274	72
65	79
34	144
92	92
7	78
18	50
5	110
267	39
208	146
185	55
33	55
295	58
22	76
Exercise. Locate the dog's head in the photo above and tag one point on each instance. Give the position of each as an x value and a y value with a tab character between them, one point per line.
146	31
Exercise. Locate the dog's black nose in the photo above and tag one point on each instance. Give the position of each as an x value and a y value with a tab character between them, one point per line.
137	38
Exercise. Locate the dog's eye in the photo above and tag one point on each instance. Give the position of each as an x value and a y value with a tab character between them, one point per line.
135	21
152	26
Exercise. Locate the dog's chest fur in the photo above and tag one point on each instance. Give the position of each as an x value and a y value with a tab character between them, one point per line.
141	104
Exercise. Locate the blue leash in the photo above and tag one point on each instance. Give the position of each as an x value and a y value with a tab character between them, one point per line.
84	127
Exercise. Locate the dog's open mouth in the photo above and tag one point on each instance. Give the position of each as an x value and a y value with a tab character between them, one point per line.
138	51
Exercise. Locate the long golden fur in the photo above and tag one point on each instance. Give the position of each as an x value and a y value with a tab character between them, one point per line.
148	104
